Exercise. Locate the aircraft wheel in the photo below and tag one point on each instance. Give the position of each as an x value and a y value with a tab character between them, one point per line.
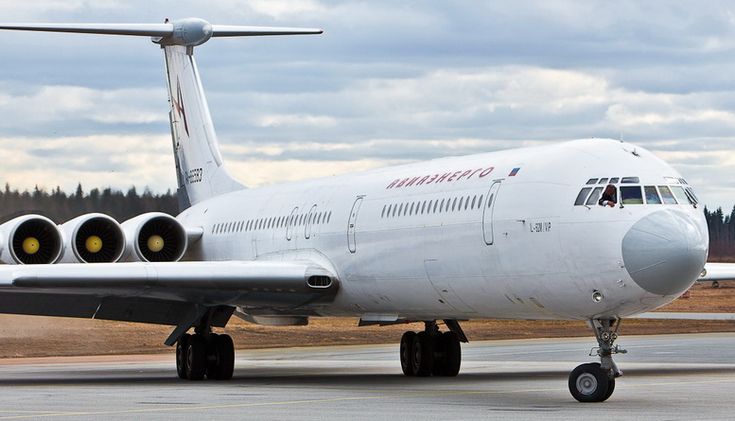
406	352
224	355
590	383
196	358
181	346
423	355
452	354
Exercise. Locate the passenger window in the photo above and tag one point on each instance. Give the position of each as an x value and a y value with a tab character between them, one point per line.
412	206
461	201
441	207
602	181
435	204
405	210
630	180
652	197
423	207
594	197
592	181
667	195
329	216
614	180
449	202
631	195
382	215
474	199
582	196
479	201
454	203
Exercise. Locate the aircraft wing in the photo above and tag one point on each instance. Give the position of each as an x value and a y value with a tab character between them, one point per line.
170	293
718	272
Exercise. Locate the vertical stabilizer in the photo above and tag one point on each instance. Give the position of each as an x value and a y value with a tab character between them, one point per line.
199	168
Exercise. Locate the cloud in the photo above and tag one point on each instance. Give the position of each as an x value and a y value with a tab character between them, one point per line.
387	83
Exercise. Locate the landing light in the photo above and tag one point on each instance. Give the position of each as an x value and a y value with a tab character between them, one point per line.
31	245
597	296
155	243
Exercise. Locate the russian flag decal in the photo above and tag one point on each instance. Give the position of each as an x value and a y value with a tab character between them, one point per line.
514	172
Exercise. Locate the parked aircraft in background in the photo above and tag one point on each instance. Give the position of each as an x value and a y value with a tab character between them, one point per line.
516	234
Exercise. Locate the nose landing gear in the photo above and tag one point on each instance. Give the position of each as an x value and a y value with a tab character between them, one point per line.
595	382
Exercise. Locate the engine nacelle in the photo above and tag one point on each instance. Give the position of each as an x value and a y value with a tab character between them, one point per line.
93	238
31	239
154	237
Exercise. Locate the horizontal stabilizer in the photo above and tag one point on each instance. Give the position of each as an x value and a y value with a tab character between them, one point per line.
187	32
141	29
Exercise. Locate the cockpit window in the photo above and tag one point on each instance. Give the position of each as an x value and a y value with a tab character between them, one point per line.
594	197
652	197
631	195
691	194
592	181
602	181
582	196
630	180
682	197
666	195
614	180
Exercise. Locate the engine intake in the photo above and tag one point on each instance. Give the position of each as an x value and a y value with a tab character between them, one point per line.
155	237
93	238
32	239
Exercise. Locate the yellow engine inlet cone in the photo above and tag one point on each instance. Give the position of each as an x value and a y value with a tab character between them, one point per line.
31	245
93	244
155	243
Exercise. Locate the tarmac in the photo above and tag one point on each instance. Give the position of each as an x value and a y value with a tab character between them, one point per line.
667	377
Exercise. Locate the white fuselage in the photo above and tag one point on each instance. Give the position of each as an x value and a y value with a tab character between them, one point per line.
528	253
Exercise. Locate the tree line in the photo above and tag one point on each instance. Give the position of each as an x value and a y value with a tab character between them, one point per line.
60	206
721	233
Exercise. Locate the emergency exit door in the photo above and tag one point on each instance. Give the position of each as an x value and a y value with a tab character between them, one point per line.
488	212
352	225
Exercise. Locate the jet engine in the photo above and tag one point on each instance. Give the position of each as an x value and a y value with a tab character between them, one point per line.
93	238
154	237
31	239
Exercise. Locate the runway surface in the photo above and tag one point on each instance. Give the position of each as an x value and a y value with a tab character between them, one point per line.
666	377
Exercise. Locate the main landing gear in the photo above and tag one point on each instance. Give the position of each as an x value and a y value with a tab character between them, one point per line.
205	353
431	352
595	382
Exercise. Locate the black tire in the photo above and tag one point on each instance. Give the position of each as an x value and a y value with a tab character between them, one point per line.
181	346
610	388
590	383
452	354
212	357
225	358
196	358
406	353
715	284
423	355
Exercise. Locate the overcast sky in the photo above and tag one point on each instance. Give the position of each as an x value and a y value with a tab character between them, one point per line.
389	82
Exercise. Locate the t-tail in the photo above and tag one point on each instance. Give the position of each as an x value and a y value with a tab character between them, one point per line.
200	171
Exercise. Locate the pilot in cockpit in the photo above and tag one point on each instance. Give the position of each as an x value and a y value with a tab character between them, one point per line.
609	196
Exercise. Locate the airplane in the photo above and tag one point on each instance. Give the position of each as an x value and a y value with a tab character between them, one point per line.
514	234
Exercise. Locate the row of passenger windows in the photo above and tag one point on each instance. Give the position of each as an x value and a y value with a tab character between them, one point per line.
454	204
631	180
633	195
272	222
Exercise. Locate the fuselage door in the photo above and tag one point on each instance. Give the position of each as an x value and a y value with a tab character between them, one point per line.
290	223
488	211
351	225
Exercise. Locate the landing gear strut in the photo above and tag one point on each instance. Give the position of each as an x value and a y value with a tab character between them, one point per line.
595	382
205	354
431	352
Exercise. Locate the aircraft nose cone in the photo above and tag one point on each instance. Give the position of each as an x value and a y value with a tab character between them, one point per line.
665	251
